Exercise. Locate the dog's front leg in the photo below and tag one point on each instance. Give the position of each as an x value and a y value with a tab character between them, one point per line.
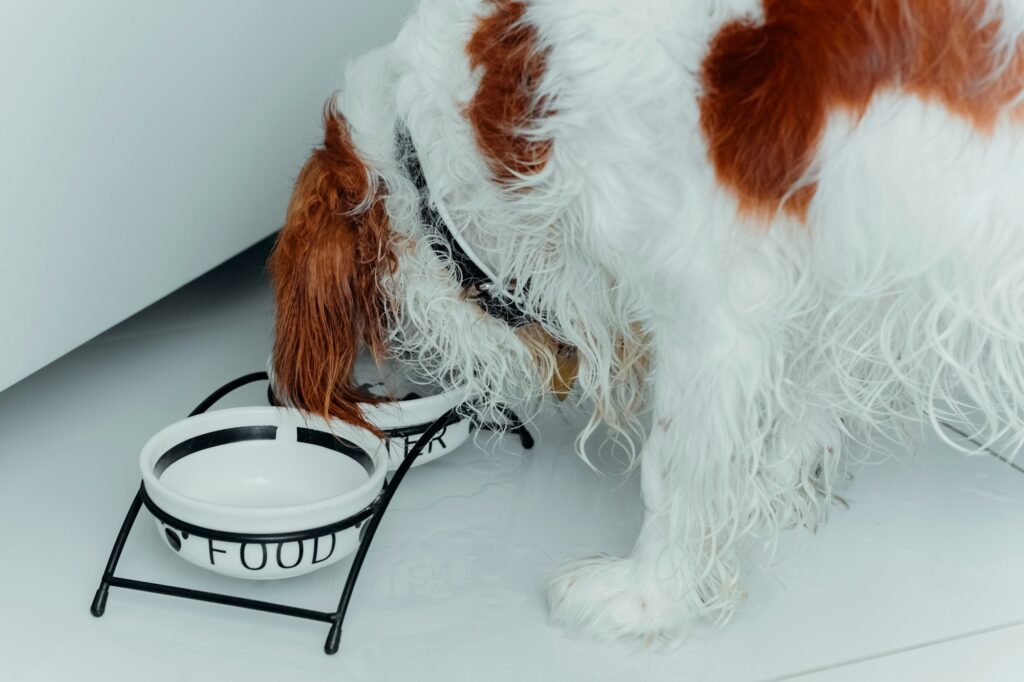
699	472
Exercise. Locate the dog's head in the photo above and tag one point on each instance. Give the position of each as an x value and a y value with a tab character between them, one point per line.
338	284
328	266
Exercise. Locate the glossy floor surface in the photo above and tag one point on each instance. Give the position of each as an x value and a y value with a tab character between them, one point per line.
922	578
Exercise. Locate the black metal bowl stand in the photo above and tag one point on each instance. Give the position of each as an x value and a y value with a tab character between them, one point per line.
371	515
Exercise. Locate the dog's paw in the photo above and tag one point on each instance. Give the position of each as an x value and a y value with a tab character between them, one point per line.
605	597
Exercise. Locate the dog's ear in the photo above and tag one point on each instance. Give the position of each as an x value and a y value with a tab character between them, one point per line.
327	268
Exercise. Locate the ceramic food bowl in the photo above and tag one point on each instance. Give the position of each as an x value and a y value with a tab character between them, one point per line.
272	482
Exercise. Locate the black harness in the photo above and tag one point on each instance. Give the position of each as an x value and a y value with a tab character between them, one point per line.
480	288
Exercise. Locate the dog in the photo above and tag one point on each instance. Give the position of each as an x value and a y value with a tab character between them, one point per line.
750	232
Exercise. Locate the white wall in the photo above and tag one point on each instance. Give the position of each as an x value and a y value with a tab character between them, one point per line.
142	142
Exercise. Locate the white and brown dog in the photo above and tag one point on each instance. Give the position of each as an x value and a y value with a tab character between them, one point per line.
759	227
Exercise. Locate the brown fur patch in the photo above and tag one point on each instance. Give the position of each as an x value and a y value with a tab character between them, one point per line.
770	87
504	48
327	267
557	364
567	369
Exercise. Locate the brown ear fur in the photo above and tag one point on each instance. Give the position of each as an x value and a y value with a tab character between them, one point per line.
327	268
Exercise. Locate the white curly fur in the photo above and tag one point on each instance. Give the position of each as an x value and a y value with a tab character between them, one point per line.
751	355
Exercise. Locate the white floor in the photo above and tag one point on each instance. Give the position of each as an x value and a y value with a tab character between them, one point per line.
921	579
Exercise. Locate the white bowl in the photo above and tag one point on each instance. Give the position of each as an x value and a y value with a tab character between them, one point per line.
410	408
405	420
256	472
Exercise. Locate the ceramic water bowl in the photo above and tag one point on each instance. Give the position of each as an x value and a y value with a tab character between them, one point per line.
412	405
270	481
404	421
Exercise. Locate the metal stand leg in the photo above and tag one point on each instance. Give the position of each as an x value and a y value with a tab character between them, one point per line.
99	602
518	428
381	506
513	425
